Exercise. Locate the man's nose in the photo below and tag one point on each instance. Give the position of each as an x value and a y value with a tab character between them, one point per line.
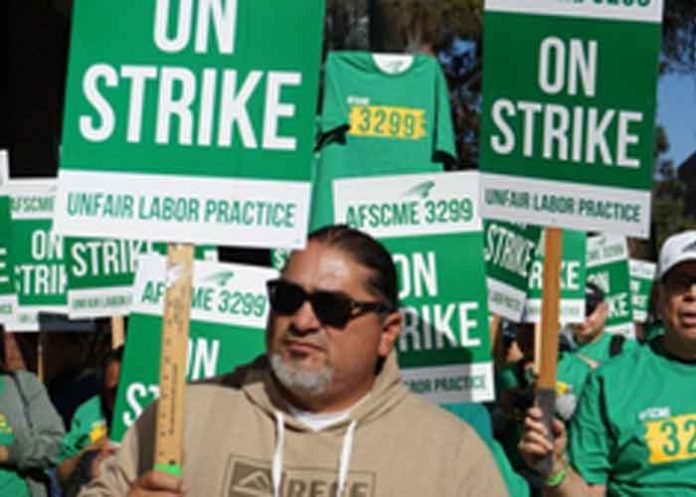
304	320
691	290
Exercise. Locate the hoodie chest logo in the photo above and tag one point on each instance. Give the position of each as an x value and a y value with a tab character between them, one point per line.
252	478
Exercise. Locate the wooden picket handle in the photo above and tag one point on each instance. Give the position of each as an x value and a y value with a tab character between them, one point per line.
117	332
548	357
175	331
494	331
537	349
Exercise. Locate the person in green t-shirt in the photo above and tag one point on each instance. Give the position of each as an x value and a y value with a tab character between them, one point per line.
634	432
87	444
515	390
594	344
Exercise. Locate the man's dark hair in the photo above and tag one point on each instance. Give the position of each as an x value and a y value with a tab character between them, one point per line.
367	252
594	296
113	355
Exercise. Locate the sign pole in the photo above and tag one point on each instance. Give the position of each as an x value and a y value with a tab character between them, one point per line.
537	348
546	383
175	331
494	331
39	357
117	332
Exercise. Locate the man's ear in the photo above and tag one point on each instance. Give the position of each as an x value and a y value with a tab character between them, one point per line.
391	327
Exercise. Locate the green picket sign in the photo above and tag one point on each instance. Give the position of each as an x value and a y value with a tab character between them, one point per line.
642	278
508	251
101	273
37	253
8	295
568	112
572	306
229	309
190	124
607	267
431	225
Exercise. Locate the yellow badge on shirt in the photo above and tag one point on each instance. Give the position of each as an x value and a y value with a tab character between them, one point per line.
671	439
98	431
381	121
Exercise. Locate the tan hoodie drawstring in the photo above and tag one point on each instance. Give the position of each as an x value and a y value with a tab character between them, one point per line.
343	460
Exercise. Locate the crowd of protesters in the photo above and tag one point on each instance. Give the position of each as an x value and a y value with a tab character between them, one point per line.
326	399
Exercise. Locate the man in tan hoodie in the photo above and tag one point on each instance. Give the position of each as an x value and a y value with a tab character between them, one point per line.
325	412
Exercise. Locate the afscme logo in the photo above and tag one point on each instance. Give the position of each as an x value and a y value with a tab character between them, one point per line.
421	190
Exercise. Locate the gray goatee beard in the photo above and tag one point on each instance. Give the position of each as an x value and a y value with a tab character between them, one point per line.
300	381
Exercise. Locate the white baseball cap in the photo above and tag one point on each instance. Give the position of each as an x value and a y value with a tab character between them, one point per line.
676	249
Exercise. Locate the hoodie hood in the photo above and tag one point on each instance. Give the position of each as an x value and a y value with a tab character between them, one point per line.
262	389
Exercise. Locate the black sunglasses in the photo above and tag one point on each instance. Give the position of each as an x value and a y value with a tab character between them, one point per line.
333	309
681	283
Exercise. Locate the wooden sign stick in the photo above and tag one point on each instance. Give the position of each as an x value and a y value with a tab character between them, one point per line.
175	331
546	382
494	331
117	332
537	349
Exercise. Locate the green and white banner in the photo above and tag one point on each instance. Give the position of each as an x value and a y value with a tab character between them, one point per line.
8	295
36	253
101	273
508	251
572	306
197	125
568	112
431	225
229	309
607	267
642	279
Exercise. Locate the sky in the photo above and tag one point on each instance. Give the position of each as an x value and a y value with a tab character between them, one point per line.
676	111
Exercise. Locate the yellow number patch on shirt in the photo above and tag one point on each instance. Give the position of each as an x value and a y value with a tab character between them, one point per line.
671	439
98	431
381	121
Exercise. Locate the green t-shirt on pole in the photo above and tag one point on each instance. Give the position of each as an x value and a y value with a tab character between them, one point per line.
381	114
635	428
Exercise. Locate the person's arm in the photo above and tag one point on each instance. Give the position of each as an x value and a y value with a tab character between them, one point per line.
66	468
127	473
535	445
37	442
